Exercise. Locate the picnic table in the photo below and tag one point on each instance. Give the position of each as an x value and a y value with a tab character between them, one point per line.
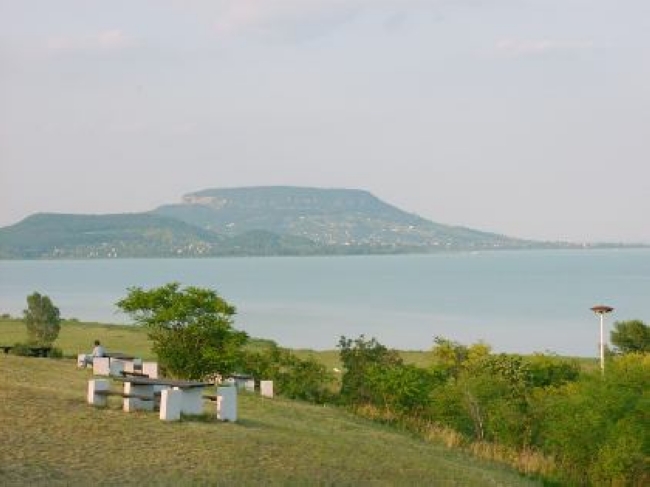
116	363
172	395
145	388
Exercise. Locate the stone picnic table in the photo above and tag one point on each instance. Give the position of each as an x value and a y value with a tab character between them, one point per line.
175	396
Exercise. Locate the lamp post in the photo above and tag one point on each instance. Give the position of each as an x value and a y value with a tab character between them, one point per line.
602	310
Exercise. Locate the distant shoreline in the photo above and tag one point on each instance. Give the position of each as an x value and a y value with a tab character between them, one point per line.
550	247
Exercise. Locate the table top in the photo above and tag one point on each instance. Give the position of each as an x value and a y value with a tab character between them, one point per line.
119	355
146	381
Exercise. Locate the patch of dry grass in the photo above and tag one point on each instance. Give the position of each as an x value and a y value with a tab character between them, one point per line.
50	436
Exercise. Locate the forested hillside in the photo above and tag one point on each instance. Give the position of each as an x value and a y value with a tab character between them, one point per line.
248	221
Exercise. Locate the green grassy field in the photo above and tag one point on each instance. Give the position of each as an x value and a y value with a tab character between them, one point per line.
77	337
50	436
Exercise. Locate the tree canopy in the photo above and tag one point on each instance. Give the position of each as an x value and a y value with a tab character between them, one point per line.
631	336
42	319
191	329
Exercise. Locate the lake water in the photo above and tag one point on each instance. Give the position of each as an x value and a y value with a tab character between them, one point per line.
520	301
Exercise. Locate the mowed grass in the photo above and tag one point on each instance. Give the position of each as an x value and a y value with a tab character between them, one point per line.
78	337
50	436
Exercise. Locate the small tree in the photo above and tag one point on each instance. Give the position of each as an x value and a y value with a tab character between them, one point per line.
42	320
631	336
358	356
191	329
452	357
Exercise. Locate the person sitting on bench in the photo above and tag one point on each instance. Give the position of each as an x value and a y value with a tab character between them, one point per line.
98	351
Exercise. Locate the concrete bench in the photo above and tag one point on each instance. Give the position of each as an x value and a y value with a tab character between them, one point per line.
85	359
113	366
266	388
175	397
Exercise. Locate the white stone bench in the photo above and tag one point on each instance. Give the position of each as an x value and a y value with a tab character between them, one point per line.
186	398
133	399
106	366
113	366
266	388
226	399
150	369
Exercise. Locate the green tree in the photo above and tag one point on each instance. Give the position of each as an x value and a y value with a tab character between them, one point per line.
452	358
191	329
496	389
357	357
42	319
631	336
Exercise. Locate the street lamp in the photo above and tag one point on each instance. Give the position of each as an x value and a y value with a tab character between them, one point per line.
602	310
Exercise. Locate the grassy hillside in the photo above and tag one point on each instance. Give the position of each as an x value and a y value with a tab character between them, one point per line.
52	437
48	235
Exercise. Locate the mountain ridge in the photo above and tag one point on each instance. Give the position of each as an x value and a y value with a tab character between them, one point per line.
256	220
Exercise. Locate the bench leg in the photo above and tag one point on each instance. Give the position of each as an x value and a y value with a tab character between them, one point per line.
81	361
266	388
132	404
227	403
94	386
171	401
116	366
192	401
150	369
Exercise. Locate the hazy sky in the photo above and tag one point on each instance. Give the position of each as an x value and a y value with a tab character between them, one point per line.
524	117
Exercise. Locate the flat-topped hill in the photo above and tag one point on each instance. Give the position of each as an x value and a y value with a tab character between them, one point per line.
274	220
337	218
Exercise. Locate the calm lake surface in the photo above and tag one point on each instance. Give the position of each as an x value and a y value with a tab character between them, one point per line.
520	301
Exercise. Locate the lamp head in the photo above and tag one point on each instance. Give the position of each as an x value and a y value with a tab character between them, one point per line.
601	309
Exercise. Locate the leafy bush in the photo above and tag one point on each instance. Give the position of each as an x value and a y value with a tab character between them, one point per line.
191	329
400	388
595	426
595	430
548	370
358	356
21	350
295	378
55	353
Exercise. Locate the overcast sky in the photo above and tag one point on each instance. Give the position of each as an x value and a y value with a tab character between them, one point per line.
524	117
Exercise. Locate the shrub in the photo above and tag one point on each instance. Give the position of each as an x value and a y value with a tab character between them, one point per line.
357	357
21	350
55	353
295	378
